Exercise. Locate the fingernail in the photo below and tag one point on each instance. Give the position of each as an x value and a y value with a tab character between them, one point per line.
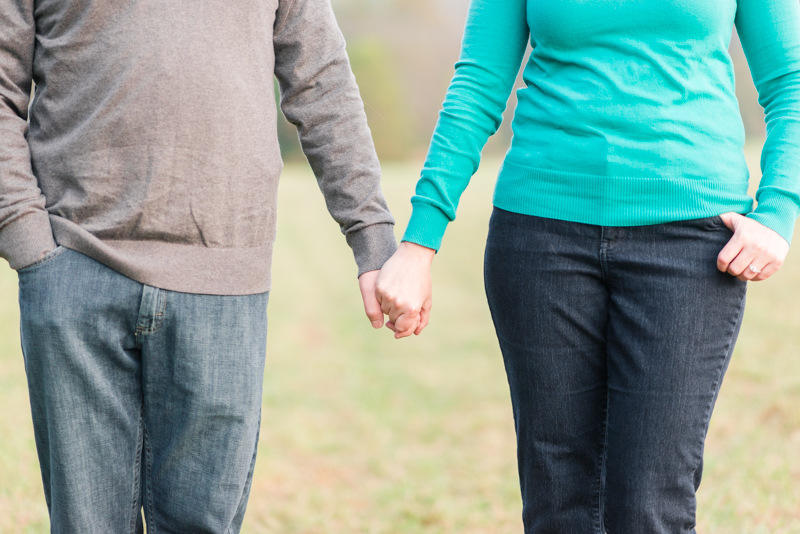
376	324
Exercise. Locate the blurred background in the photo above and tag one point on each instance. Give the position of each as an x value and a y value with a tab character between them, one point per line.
363	434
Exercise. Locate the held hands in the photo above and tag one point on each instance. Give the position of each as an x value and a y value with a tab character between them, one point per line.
403	290
755	252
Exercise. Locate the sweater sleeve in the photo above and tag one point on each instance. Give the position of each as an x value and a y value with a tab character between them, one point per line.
25	232
495	38
770	34
320	97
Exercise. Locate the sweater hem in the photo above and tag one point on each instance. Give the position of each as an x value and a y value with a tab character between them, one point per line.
616	200
172	266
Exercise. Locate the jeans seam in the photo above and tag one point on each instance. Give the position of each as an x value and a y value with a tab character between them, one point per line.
707	412
599	509
162	307
137	471
151	525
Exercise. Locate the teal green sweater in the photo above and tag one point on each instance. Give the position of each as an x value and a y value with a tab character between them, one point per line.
628	115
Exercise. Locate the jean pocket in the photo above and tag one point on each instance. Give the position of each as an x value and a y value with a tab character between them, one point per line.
712	223
56	252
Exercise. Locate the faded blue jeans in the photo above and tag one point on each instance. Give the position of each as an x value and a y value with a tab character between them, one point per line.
141	399
615	342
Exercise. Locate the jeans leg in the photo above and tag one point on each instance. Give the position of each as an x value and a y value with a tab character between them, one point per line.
548	302
673	322
203	366
83	370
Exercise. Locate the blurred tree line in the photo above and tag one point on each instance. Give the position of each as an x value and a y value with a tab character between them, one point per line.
402	53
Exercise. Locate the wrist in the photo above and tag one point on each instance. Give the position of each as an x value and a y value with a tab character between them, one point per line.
416	252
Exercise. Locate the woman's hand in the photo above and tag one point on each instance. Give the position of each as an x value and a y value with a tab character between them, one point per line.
755	252
404	289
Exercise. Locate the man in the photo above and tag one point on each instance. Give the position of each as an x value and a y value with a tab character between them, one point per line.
138	206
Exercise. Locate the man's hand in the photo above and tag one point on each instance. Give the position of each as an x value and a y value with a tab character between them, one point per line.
404	289
755	252
366	283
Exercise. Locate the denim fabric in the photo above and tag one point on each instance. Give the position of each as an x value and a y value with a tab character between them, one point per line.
615	342
141	398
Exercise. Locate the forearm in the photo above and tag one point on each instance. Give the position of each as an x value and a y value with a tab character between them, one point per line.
494	43
768	31
320	97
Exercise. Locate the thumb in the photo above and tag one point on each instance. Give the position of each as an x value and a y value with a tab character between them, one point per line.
731	220
373	309
366	283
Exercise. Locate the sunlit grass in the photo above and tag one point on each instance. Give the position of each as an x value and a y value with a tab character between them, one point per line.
365	434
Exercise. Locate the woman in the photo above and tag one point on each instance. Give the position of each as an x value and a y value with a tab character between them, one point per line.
622	237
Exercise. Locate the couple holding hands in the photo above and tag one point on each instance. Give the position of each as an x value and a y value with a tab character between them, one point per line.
137	203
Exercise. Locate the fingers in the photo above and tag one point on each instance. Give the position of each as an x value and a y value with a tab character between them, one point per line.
366	283
411	322
406	324
766	272
728	253
740	266
760	260
424	317
374	313
754	253
394	309
403	320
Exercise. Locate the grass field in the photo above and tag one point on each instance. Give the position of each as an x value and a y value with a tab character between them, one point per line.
363	434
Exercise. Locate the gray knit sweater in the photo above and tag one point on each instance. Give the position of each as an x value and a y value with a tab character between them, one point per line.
152	143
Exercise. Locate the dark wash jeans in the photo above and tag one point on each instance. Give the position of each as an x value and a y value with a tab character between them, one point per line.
141	398
615	341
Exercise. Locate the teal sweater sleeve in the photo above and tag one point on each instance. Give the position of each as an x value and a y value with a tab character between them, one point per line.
495	38
770	34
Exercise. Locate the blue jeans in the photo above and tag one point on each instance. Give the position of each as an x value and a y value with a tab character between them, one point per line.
615	342
141	398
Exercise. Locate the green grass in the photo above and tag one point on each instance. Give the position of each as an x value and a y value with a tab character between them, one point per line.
365	434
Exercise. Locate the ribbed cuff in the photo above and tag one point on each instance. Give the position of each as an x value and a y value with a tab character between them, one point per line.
27	240
778	212
372	246
426	226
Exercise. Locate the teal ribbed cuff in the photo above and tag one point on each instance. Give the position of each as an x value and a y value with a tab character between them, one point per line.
426	226
778	212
